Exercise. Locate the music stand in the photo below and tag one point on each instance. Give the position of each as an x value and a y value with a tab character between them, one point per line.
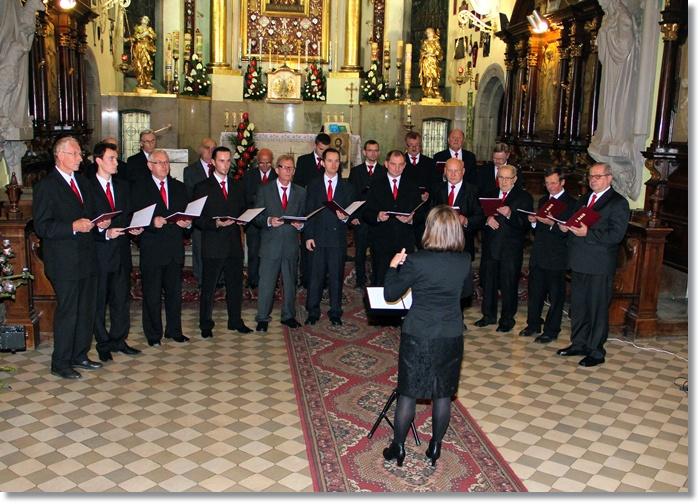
393	397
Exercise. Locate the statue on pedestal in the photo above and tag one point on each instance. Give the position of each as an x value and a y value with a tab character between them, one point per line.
429	65
143	48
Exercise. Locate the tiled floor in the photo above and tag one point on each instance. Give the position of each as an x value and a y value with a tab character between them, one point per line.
220	415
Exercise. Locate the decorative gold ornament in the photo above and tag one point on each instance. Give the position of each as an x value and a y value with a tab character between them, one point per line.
429	62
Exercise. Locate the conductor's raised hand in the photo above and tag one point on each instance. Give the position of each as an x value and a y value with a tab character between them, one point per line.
398	259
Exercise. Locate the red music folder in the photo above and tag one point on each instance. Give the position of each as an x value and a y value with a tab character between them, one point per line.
489	205
584	215
553	207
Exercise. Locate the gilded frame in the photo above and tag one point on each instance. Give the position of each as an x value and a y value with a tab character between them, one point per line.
277	58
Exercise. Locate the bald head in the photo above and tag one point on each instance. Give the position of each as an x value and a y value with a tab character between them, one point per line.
455	139
265	157
206	147
454	170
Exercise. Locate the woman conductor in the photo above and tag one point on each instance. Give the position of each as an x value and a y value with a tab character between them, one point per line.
430	352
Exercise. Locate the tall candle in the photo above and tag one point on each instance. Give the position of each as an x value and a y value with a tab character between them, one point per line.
407	66
306	51
399	50
176	44
250	46
260	49
187	46
299	56
374	51
269	53
198	44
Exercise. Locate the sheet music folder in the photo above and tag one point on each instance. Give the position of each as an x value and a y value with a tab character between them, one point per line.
375	295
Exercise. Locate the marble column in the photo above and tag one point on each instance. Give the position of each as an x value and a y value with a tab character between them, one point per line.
353	17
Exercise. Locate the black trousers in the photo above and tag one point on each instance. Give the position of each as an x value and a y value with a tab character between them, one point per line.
157	280
233	279
501	275
361	237
330	261
252	240
590	300
73	320
304	265
112	291
197	255
540	283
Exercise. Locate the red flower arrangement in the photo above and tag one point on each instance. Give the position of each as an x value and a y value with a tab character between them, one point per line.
243	147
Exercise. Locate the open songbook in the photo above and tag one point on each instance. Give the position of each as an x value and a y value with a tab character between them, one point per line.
352	207
193	210
244	218
377	301
391	212
141	218
297	218
105	216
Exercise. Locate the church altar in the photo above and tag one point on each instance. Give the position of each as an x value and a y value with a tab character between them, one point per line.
297	144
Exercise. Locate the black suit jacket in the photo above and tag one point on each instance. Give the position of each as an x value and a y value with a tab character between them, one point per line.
424	173
325	228
469	160
486	179
509	239
596	253
66	255
437	281
549	248
222	242
193	174
306	170
392	234
161	246
112	253
468	203
360	179
252	181
137	167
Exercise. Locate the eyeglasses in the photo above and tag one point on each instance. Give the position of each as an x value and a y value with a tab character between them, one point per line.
149	141
505	178
74	154
598	177
161	163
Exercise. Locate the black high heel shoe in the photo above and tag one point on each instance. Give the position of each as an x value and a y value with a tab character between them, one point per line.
433	451
395	451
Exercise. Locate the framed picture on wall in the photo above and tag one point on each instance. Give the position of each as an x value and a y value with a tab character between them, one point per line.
459	48
286	7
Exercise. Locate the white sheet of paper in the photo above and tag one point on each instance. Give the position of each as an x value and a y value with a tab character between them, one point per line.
194	208
105	216
525	211
302	219
354	206
377	302
245	217
142	218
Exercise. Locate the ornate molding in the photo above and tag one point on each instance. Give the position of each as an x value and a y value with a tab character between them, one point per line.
670	31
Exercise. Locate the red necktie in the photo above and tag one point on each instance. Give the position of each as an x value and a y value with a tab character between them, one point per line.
396	190
503	198
110	198
318	164
264	179
284	198
592	202
330	190
456	155
414	160
451	197
223	189
75	190
369	169
211	169
163	194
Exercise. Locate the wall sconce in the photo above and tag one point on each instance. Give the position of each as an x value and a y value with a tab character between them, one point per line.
537	23
67	4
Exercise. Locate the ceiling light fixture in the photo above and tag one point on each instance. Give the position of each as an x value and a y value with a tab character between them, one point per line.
537	23
67	4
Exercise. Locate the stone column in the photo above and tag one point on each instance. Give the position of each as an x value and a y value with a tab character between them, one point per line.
531	93
353	17
592	28
218	42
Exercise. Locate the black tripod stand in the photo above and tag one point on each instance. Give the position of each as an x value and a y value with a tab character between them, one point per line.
393	397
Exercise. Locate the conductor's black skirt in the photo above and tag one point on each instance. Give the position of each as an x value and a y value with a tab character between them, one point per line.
429	368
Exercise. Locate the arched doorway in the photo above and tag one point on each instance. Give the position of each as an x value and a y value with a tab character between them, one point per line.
487	111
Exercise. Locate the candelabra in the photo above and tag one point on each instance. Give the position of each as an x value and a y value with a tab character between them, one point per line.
398	89
176	77
408	122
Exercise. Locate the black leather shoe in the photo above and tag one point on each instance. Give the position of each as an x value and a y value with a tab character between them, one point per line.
433	452
128	350
528	331
589	361
207	334
261	327
292	323
68	373
180	339
570	350
395	451
545	338
311	320
504	328
105	356
242	328
336	321
87	364
483	322
154	343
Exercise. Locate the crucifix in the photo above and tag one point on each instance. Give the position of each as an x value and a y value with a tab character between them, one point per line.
351	89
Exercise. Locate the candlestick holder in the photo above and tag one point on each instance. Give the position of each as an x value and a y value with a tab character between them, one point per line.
408	121
176	77
14	191
398	92
387	61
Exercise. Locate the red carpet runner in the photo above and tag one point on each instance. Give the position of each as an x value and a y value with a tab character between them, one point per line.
342	378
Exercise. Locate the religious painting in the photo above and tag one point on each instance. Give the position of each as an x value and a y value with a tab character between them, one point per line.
341	142
459	48
284	86
548	85
279	30
485	43
286	7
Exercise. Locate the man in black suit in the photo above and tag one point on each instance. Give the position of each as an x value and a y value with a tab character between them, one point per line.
309	167
502	251
193	174
548	262
113	256
487	174
388	234
162	252
222	249
254	178
421	169
279	242
137	165
121	165
325	237
62	207
457	192
455	140
360	178
593	260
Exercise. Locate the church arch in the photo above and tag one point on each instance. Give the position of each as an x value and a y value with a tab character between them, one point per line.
486	110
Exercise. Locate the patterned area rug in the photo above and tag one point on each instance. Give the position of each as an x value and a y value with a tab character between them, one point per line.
343	376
